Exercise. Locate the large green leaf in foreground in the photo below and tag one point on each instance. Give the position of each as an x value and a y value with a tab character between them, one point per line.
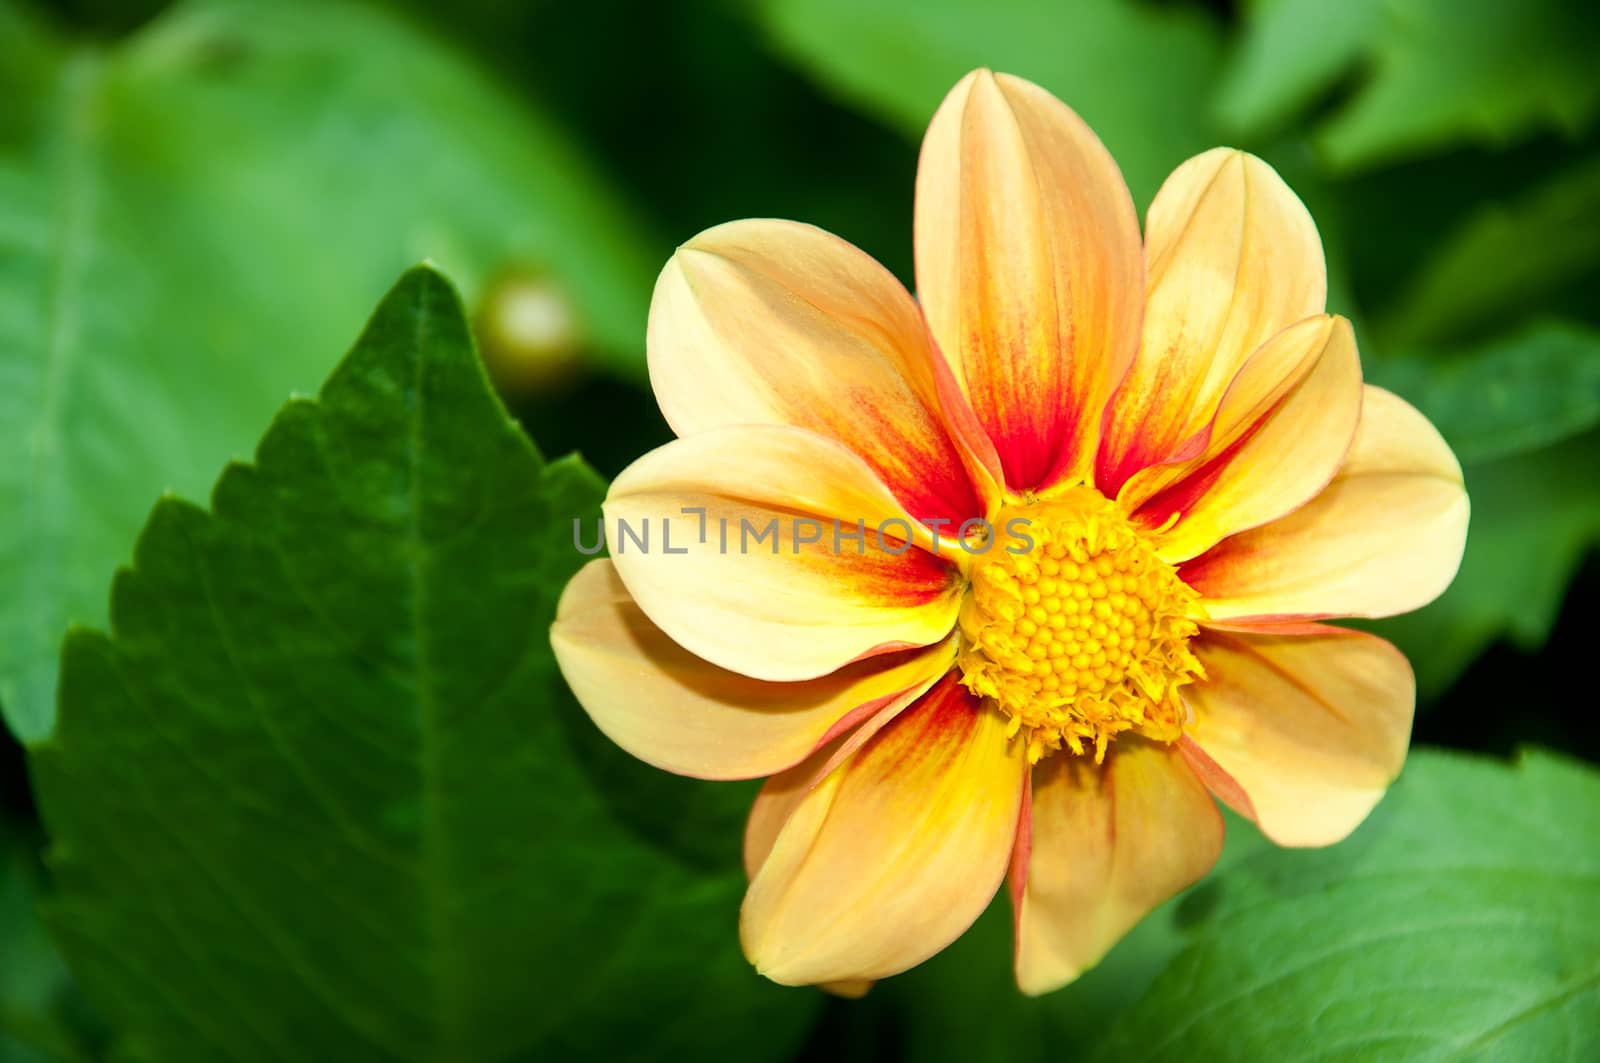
1461	922
193	222
321	792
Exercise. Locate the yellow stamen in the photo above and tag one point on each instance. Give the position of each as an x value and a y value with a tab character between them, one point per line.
1081	636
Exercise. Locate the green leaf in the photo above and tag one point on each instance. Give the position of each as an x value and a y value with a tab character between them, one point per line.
1462	921
193	221
1514	395
1505	258
30	50
1291	51
35	990
1432	73
1137	73
1468	71
1535	516
356	814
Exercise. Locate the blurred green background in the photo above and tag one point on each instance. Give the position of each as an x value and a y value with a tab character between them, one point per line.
200	203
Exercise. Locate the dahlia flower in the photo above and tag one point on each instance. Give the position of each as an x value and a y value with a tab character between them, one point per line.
1012	578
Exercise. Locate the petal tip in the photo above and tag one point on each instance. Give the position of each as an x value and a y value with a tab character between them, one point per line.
762	957
849	989
1035	979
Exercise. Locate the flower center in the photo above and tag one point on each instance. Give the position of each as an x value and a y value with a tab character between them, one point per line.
1076	629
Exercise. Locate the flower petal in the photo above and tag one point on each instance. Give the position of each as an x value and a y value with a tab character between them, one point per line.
1384	537
1231	259
672	709
747	567
784	791
895	853
1310	722
854	990
1109	843
774	322
1028	269
776	802
1281	433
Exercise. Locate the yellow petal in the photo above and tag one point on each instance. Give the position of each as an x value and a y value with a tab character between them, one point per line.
782	793
1232	258
672	709
1108	843
774	322
891	856
1310	721
1281	433
1384	537
850	990
779	797
1028	268
764	582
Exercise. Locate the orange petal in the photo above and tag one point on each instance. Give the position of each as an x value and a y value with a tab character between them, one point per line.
1109	843
1280	434
774	322
891	856
1028	269
1231	259
751	562
672	709
1384	537
1310	722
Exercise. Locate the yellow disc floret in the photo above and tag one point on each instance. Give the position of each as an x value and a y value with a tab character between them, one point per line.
1076	629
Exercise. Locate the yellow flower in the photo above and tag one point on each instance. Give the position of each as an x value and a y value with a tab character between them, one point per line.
1092	494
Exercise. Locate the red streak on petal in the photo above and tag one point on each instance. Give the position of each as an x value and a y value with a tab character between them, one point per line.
977	448
1220	783
943	718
